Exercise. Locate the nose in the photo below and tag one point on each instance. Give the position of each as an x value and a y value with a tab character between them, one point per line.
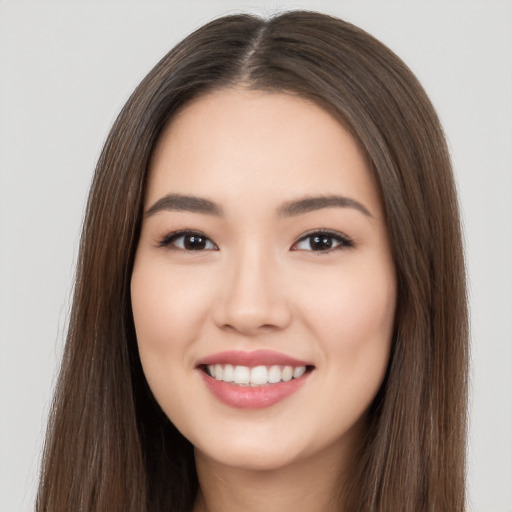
253	296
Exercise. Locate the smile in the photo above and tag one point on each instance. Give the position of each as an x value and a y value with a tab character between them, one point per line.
256	376
253	380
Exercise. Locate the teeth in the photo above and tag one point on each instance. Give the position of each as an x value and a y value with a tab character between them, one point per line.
256	376
274	374
287	373
242	375
299	372
259	375
229	373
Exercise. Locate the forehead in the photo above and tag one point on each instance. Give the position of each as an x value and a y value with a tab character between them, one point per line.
275	146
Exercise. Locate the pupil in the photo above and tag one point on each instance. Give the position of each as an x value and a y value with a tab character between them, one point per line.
194	242
321	242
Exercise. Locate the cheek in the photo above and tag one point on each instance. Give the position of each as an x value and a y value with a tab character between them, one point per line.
354	302
352	316
167	310
354	322
167	306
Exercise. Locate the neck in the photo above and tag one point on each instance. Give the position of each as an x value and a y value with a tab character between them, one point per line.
312	485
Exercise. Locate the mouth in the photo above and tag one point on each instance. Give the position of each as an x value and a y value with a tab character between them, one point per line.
261	375
253	380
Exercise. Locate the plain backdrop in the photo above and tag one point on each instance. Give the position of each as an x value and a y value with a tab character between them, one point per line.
66	68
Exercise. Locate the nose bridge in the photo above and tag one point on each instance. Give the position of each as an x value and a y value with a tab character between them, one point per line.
253	298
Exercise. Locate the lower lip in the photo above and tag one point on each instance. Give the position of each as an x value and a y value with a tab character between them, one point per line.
248	397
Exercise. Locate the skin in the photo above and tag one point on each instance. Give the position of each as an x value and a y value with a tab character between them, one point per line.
259	285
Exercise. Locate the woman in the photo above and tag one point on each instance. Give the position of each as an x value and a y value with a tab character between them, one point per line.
270	303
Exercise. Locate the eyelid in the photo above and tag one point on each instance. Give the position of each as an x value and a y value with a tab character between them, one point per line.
167	240
344	241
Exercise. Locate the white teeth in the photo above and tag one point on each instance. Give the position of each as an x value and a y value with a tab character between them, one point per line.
299	372
287	373
242	375
256	376
259	375
229	373
274	374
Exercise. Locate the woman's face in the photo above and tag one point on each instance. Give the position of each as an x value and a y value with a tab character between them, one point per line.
263	288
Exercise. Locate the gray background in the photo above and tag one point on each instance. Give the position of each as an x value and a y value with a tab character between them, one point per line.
67	67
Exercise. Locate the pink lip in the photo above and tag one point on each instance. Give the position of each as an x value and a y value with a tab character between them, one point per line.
248	397
251	359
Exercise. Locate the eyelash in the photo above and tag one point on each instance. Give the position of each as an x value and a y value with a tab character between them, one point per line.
171	238
341	241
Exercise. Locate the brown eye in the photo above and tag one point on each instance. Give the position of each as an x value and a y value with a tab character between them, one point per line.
322	242
194	242
188	241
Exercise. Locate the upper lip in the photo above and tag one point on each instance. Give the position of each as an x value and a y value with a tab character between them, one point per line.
251	358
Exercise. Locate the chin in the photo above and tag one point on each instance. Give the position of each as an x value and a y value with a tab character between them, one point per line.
247	458
271	451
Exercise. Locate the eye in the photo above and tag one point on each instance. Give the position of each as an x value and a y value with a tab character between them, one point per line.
322	241
188	241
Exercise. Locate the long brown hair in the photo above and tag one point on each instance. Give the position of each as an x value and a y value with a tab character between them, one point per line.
109	446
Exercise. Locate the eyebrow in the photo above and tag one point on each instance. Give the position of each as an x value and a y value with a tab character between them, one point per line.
309	204
179	202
